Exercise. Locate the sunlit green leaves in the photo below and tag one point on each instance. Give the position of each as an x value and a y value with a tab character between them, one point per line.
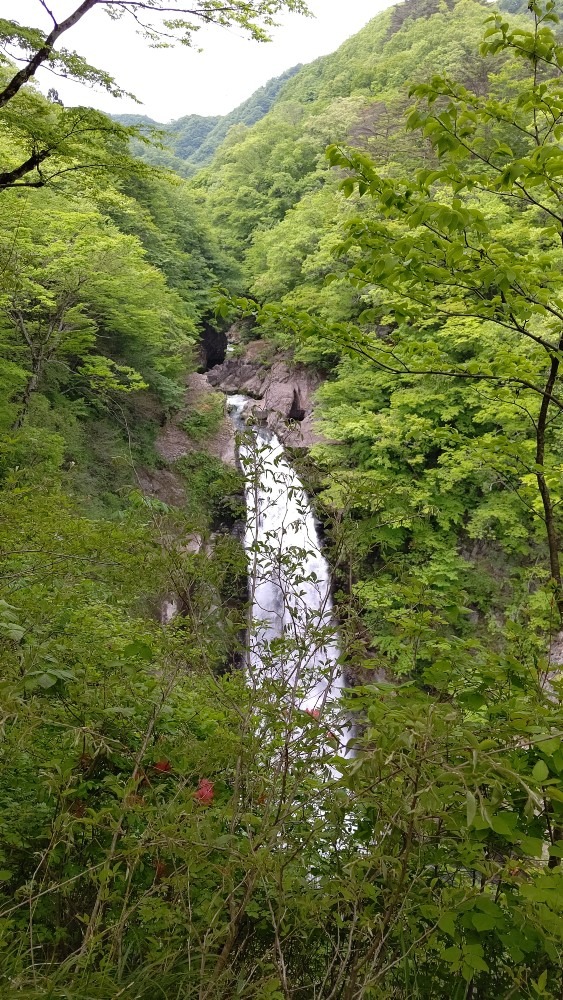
68	276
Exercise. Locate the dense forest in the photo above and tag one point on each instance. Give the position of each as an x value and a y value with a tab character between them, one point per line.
386	223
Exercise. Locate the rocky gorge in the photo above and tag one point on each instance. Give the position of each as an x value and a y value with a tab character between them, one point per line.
283	393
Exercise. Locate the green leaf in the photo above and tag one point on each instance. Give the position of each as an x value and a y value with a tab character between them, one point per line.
540	770
532	846
47	680
484	921
549	746
13	631
139	650
540	984
447	923
504	823
471	803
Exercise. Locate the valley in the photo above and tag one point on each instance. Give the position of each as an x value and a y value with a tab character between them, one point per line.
280	520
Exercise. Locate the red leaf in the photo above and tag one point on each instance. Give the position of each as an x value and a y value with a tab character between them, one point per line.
161	869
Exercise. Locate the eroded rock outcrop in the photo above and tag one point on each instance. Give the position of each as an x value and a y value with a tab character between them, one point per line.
283	391
173	442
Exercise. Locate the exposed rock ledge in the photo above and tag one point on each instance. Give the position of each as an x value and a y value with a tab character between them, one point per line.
284	390
284	402
173	443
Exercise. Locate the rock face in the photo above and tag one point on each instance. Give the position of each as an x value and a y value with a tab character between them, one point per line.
285	391
173	442
163	484
284	402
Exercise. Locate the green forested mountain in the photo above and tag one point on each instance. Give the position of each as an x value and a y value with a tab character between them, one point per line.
360	92
190	142
173	822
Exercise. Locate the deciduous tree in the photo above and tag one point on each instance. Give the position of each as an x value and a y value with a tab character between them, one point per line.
49	130
71	278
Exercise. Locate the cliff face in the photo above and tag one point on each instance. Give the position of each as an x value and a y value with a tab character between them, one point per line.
283	391
284	402
174	442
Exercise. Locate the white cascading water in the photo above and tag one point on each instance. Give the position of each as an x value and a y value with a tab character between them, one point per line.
292	634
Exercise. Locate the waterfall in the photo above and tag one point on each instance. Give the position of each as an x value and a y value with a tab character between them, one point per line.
292	636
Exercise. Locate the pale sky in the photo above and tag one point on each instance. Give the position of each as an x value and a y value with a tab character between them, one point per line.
176	82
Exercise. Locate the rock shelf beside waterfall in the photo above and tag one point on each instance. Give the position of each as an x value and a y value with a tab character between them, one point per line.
283	391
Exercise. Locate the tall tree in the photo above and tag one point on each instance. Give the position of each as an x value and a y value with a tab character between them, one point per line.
40	47
42	141
71	278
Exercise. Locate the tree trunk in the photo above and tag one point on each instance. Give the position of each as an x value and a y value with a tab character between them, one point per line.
44	53
551	529
31	387
9	178
550	526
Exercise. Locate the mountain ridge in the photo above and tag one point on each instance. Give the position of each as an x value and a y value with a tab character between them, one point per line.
190	142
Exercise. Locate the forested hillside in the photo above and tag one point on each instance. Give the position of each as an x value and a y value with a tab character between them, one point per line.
188	143
359	92
384	224
440	498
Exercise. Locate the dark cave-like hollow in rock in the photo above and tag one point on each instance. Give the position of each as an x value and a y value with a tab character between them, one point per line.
213	347
297	411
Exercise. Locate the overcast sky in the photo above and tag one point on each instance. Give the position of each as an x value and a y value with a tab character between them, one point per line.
172	83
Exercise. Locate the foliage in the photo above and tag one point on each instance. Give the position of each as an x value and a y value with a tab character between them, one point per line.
205	418
171	225
259	174
419	861
160	819
68	279
42	142
449	253
428	287
43	131
214	490
437	477
37	47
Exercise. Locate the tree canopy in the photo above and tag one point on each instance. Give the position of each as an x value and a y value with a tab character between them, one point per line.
151	19
46	130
